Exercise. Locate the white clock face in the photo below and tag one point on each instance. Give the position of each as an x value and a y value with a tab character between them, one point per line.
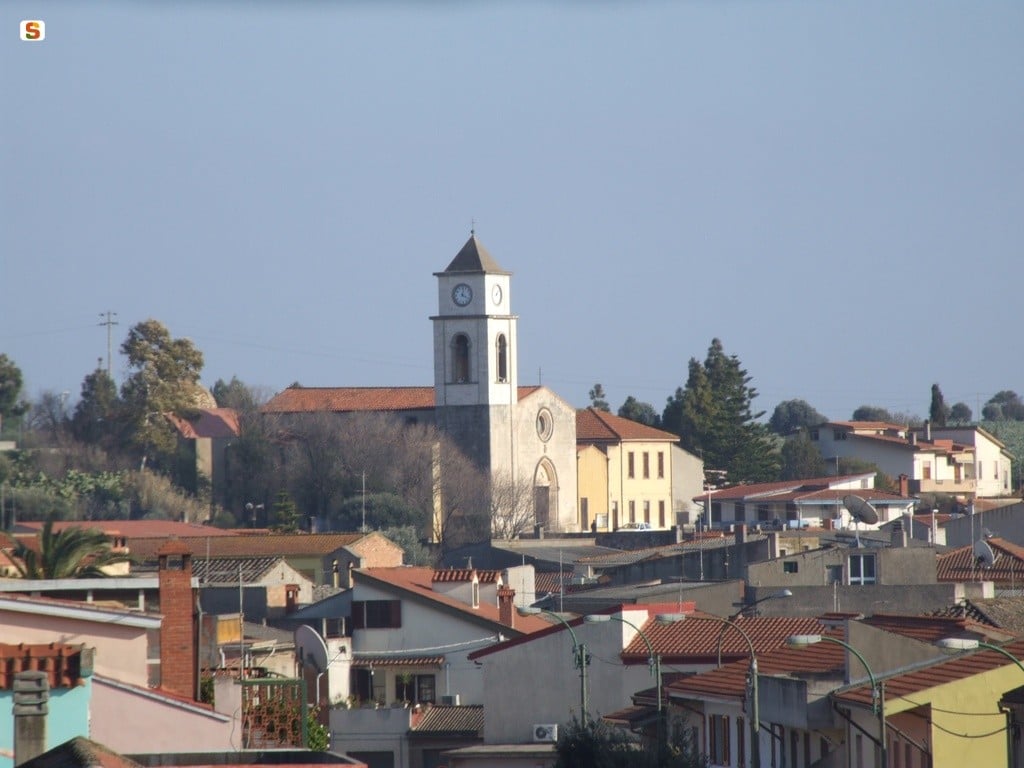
496	294
462	294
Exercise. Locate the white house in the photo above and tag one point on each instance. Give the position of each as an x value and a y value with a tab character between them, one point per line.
412	629
811	502
992	461
932	464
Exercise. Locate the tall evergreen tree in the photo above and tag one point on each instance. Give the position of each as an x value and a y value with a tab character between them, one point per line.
938	412
717	419
95	418
597	398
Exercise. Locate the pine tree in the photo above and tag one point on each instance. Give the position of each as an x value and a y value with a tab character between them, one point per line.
597	398
717	420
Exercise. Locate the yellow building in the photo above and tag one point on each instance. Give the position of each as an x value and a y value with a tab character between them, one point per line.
624	472
962	711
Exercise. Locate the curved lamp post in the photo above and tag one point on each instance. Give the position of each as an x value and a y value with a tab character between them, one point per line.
653	659
959	644
877	690
579	655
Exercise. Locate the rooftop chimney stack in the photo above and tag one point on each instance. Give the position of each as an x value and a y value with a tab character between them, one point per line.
31	694
506	606
178	631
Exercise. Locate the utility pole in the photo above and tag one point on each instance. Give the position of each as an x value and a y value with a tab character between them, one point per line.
109	322
363	529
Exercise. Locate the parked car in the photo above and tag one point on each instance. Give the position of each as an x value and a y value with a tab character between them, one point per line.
635	527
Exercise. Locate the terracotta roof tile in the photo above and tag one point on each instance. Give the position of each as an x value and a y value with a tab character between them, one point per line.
695	639
593	425
929	629
208	422
939	673
961	564
61	662
358	399
418	581
730	680
466	574
280	544
369	660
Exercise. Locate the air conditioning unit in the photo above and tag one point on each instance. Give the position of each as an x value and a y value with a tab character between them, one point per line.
450	701
545	732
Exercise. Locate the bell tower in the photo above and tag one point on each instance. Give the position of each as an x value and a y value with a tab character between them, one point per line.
475	346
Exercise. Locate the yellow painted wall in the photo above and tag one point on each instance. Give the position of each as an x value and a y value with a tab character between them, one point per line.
592	481
966	725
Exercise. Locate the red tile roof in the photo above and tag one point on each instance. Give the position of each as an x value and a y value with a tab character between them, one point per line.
349	399
369	660
942	672
417	582
280	544
929	629
961	564
358	399
80	752
61	662
730	680
593	425
437	720
209	422
466	574
695	639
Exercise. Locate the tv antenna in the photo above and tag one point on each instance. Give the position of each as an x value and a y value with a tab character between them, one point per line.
861	512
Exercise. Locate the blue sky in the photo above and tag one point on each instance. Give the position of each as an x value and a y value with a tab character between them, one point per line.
834	189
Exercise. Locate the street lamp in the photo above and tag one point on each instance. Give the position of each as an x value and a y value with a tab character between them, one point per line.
581	659
959	644
653	659
877	689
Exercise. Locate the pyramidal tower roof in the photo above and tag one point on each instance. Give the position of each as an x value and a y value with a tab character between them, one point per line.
474	258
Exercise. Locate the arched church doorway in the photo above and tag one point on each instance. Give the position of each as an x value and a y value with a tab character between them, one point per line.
545	494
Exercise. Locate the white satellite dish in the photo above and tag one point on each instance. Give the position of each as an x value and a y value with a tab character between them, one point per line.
861	512
984	556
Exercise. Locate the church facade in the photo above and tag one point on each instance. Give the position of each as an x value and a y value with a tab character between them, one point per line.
522	437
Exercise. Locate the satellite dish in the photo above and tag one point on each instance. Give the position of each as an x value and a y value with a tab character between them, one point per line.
984	557
860	510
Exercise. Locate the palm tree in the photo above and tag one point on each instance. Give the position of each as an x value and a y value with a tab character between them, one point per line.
73	553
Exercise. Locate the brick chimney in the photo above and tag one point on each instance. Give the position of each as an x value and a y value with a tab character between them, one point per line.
506	606
904	485
178	628
31	697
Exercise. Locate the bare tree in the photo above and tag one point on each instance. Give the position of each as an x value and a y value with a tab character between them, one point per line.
511	506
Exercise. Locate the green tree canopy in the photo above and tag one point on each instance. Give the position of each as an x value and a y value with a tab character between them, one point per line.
872	413
790	415
713	416
938	411
960	413
96	418
164	379
234	394
597	398
1004	406
801	458
10	388
643	413
73	553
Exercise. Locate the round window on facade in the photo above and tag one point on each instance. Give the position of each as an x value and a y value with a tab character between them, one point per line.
545	424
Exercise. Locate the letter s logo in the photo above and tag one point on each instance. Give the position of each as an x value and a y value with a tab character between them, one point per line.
33	30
